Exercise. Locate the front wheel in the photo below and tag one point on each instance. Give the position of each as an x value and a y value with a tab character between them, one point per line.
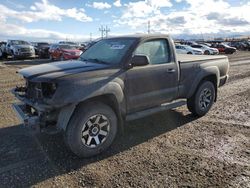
62	58
202	100
91	130
207	52
51	57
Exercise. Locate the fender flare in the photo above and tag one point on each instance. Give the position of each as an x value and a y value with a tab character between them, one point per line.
208	71
112	88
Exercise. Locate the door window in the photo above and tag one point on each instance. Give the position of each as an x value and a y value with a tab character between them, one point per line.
157	51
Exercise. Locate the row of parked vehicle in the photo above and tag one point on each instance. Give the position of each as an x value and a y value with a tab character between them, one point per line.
63	50
204	48
66	50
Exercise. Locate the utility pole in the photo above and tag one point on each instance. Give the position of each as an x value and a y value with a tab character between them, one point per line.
107	30
104	31
148	27
101	29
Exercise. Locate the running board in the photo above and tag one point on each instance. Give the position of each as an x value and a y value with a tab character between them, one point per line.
163	107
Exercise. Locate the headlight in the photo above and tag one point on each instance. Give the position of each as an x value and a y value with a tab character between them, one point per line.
48	89
67	53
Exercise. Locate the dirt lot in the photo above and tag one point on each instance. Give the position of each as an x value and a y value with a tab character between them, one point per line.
170	149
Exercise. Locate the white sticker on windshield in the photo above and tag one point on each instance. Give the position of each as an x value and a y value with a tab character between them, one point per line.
117	46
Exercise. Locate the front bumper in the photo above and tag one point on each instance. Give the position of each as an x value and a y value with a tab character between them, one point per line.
25	54
28	121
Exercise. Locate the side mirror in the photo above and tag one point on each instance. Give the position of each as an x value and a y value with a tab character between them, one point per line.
139	60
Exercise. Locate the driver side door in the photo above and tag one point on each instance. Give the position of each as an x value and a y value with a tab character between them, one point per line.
153	84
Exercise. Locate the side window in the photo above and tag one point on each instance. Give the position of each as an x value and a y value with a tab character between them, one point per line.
156	50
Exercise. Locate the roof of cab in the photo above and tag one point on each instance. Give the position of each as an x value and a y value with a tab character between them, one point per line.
140	36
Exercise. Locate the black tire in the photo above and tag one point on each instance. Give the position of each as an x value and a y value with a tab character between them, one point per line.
207	52
62	58
82	122
5	55
189	53
196	104
51	58
13	57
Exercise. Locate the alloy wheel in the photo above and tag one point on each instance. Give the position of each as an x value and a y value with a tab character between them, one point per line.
95	130
205	98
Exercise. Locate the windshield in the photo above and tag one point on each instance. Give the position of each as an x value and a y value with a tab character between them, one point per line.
109	51
67	47
19	42
42	44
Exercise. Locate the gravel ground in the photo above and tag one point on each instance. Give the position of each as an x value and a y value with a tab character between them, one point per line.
169	149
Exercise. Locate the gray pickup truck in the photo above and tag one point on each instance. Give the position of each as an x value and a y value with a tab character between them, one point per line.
116	80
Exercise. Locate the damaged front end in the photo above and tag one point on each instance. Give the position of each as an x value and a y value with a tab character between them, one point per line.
34	110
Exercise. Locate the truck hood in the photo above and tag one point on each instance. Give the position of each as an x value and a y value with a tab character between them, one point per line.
59	69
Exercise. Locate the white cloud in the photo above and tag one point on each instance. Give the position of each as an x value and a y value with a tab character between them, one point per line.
45	11
19	32
117	3
100	5
144	8
191	20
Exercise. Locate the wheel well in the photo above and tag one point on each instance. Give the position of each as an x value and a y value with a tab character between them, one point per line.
111	101
213	79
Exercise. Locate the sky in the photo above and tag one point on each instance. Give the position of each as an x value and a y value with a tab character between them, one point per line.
80	20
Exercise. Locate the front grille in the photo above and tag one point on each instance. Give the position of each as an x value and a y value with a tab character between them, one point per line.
25	50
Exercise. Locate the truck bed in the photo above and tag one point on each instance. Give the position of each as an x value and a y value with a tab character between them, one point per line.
192	66
186	58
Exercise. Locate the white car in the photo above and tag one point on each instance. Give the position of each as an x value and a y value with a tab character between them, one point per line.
185	49
206	49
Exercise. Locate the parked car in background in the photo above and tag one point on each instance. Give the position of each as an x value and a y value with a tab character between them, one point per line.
189	43
68	43
19	49
207	50
206	43
224	48
63	52
2	50
185	49
42	49
240	45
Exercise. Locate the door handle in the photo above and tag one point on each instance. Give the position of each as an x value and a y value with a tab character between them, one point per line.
171	70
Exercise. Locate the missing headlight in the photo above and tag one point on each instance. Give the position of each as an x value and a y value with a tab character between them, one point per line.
49	89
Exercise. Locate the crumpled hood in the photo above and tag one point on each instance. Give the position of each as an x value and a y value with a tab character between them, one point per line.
59	69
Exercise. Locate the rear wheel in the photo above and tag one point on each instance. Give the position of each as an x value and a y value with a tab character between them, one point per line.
207	52
91	130
202	100
189	53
